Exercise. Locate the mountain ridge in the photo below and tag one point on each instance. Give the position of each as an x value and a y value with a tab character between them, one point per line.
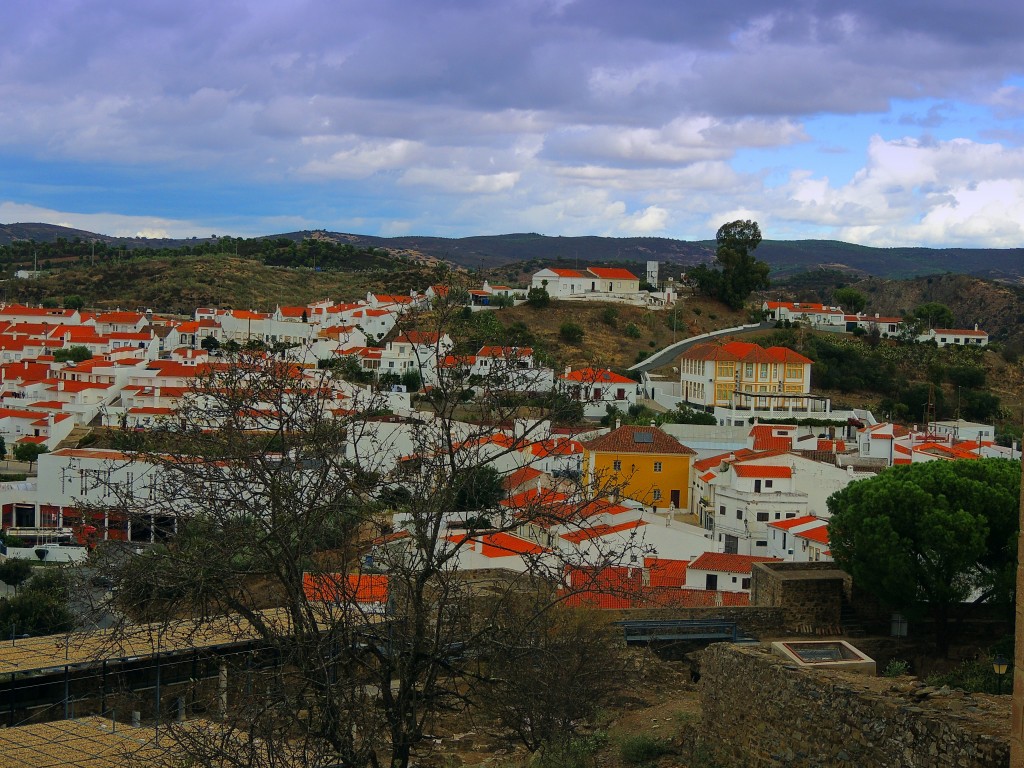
489	251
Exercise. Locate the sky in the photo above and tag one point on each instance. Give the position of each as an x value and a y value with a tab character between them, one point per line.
884	123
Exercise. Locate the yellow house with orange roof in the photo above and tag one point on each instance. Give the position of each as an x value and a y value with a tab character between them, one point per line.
640	463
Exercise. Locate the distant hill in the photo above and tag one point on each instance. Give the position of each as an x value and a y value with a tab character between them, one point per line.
490	251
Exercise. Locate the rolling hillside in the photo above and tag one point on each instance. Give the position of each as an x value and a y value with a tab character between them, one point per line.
483	252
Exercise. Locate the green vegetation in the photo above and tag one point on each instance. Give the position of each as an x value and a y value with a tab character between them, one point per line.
933	315
740	273
75	354
896	668
850	299
15	572
974	676
923	537
643	749
571	333
538	298
39	608
29	452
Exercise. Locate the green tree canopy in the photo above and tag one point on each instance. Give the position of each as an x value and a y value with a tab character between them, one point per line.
923	537
75	354
29	452
850	299
739	273
934	315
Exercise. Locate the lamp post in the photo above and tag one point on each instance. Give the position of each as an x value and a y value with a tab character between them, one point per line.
999	665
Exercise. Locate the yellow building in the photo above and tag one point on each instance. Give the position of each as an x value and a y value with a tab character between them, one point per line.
641	463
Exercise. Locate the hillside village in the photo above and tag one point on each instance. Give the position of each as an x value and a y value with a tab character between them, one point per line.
416	473
690	496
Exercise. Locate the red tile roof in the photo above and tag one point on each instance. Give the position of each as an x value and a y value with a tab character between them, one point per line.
520	477
785	525
346	588
666	573
565	272
596	376
762	471
499	544
611	273
819	534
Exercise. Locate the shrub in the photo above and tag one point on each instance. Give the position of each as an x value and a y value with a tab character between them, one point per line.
573	752
632	331
610	316
896	668
642	748
571	333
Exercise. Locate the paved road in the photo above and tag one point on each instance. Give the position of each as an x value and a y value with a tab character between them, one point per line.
671	352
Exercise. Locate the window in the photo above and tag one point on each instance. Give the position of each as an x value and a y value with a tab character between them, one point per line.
657	495
657	466
760	543
617	465
745	584
721	510
790	515
739	514
762	517
767	483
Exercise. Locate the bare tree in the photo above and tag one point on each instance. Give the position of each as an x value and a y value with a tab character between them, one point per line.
292	492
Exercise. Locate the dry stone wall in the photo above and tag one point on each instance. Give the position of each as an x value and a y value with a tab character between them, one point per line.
761	711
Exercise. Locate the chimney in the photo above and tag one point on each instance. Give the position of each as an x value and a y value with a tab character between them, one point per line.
849	469
568	370
618	422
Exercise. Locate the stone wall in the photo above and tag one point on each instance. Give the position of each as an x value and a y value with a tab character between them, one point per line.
760	711
810	595
758	622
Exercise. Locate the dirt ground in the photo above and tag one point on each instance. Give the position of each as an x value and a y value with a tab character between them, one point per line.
661	702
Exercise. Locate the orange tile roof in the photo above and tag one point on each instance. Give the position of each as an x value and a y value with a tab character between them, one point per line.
500	544
713	462
346	588
762	471
793	522
520	477
565	272
596	376
666	573
819	534
612	273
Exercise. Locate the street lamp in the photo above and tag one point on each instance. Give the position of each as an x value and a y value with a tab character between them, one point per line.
999	666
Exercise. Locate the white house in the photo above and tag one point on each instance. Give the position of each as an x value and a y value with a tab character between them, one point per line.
598	389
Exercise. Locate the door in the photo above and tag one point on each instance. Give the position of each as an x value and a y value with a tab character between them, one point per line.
757	486
674	496
712	581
